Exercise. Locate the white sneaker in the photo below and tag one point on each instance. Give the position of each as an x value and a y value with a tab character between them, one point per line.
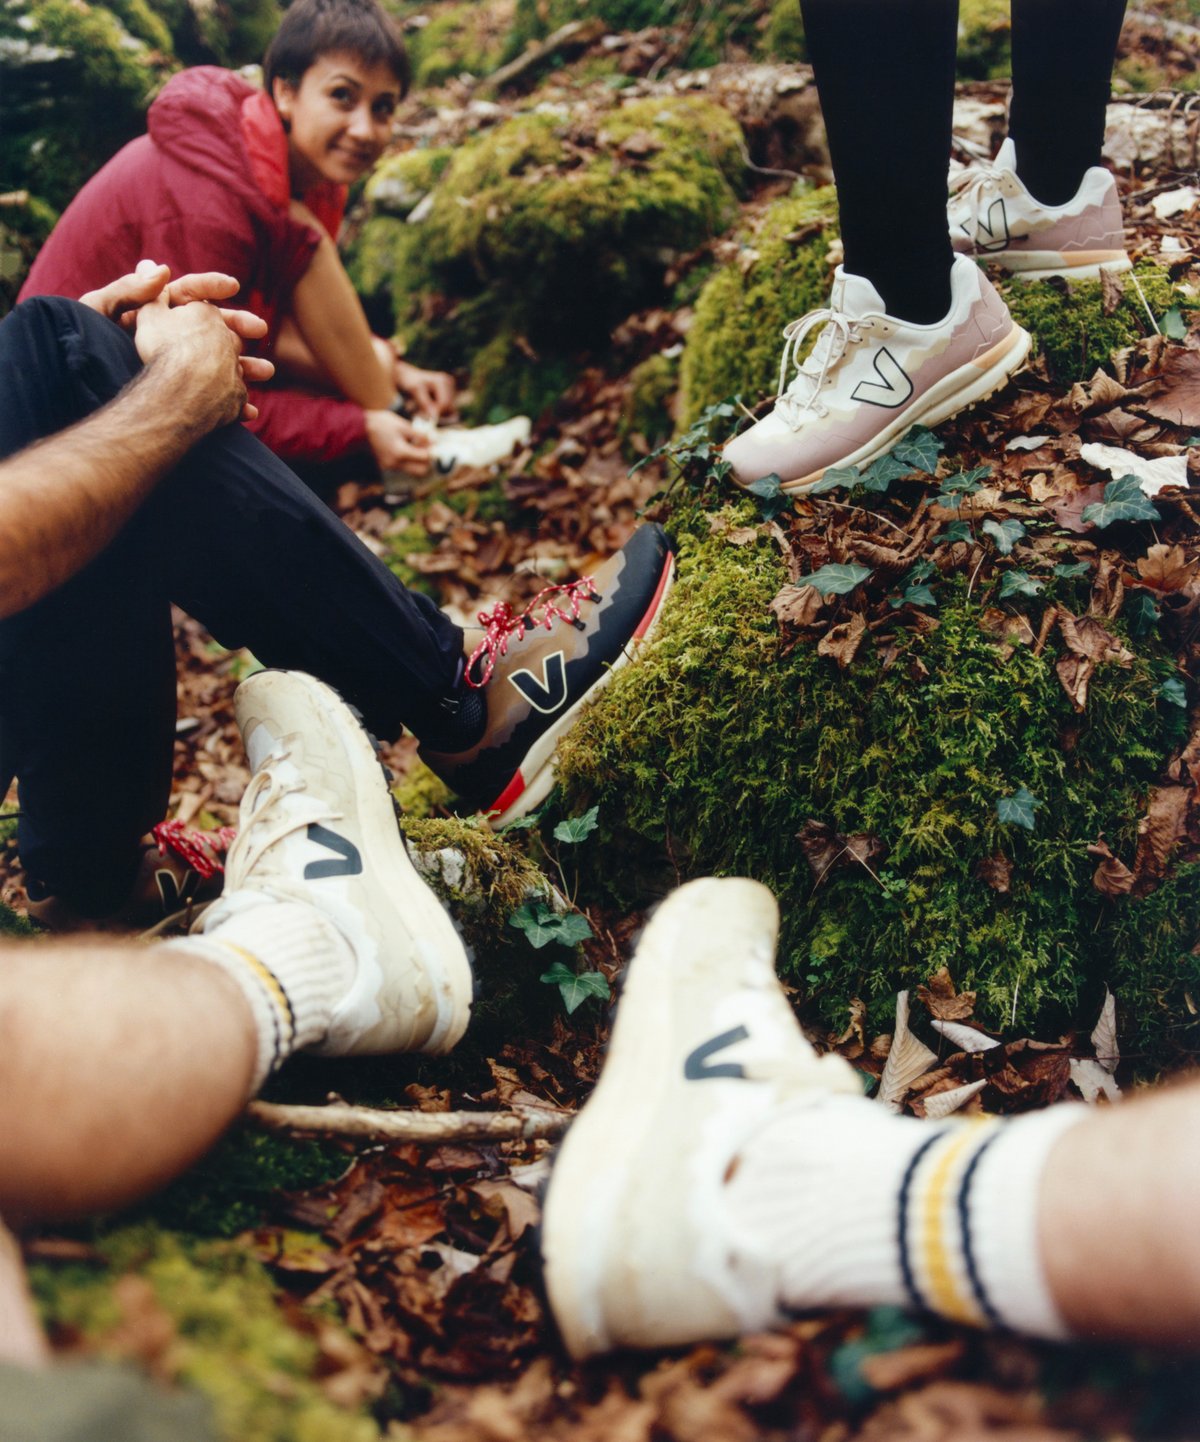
454	446
318	825
870	376
635	1241
993	217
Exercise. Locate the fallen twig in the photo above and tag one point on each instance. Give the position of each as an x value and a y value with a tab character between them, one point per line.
411	1126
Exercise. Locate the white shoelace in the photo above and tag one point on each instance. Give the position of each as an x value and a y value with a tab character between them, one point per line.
973	190
265	822
802	393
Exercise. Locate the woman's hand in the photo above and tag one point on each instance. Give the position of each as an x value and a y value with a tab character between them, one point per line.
433	392
396	443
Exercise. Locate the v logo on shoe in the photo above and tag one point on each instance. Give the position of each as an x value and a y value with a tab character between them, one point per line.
697	1066
548	694
994	228
173	893
892	388
346	860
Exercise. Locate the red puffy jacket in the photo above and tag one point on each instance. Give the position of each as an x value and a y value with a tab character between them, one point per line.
207	189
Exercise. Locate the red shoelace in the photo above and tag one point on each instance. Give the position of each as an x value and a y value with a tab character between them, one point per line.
201	850
502	624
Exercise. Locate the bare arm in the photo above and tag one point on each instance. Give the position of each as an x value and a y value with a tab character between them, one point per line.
63	499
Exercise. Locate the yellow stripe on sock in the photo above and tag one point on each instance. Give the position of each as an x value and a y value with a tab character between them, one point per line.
938	1234
269	980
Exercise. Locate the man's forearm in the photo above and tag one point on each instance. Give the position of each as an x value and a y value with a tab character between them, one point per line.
63	499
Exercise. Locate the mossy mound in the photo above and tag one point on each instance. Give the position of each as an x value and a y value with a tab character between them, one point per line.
652	386
459	39
75	80
914	750
1068	323
544	231
780	271
13	925
223	1332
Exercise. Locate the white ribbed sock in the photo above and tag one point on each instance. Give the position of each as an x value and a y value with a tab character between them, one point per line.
292	964
863	1208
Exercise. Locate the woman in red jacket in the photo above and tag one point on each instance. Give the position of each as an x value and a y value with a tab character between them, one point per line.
254	183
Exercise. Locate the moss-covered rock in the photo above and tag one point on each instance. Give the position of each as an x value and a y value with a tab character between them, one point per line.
75	81
781	270
652	389
225	1333
984	39
1068	323
459	39
541	233
914	749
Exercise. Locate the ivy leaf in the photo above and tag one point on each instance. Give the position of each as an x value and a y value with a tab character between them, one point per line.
1068	570
834	477
919	450
770	495
1018	809
576	828
576	987
967	482
542	924
920	572
1124	500
1171	691
1019	583
1173	325
1143	615
880	474
958	531
835	580
919	596
1006	534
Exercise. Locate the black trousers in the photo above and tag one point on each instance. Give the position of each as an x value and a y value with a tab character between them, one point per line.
87	675
885	75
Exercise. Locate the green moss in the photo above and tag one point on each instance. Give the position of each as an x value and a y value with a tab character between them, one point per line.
399	182
715	724
231	1340
421	794
76	83
984	39
13	925
466	39
1068	323
783	35
539	237
232	1187
781	271
652	386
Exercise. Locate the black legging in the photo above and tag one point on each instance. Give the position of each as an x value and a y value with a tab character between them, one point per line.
87	675
885	75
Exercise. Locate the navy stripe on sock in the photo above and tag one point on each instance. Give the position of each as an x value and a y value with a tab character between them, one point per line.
906	1270
964	1219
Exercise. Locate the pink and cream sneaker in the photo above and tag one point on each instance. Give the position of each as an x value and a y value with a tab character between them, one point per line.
870	376
994	218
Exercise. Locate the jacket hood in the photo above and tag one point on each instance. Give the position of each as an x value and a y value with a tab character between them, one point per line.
196	120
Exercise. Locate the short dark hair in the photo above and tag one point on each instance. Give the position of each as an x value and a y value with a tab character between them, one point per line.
312	28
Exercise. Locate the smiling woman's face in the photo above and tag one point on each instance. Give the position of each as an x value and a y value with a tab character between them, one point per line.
339	118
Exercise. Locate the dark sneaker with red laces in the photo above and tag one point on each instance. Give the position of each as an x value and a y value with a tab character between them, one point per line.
180	870
536	668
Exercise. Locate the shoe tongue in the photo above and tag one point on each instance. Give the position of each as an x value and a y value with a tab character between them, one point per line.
854	294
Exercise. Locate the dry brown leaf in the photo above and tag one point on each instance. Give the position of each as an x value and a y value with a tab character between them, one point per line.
908	1059
1112	292
996	871
1166	568
940	999
1010	626
1159	832
1093	1081
937	1104
797	605
889	1371
841	642
1075	672
1176	398
1112	877
966	1038
1104	1035
824	848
